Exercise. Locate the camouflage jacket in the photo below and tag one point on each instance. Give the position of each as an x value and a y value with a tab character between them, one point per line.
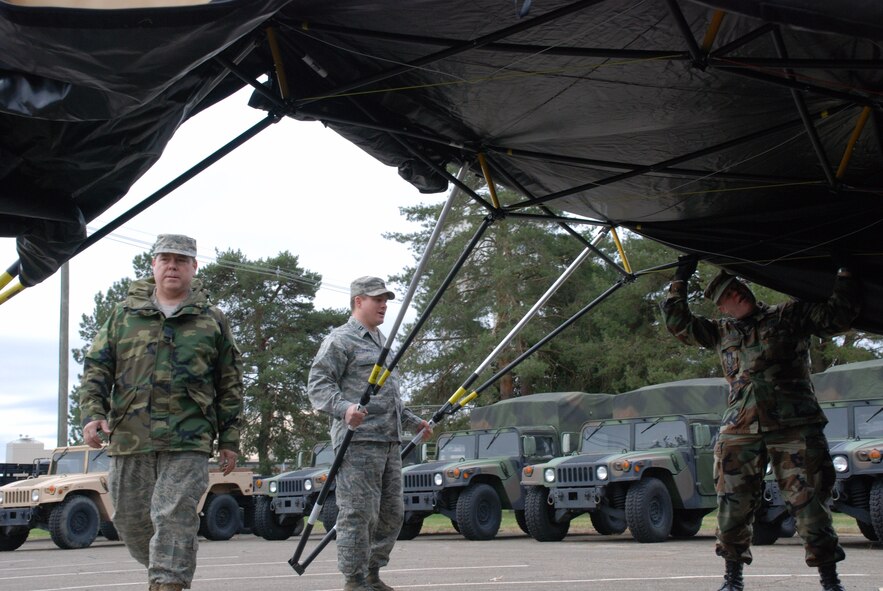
164	384
765	357
338	378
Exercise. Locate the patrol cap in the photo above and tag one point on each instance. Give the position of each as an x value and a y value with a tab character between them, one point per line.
370	286
718	285
175	244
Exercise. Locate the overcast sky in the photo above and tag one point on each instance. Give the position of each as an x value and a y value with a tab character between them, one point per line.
297	186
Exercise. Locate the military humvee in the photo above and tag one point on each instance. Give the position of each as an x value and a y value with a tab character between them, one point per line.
851	396
282	501
73	504
648	468
476	473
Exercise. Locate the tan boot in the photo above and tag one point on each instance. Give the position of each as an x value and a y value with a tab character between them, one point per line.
357	583
375	583
170	587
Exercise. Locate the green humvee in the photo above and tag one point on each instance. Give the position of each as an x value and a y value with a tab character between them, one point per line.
476	472
648	468
282	501
851	396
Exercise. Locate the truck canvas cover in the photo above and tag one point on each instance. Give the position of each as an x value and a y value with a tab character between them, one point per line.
566	411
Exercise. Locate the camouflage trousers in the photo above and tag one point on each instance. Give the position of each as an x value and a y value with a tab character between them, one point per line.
155	496
803	469
369	497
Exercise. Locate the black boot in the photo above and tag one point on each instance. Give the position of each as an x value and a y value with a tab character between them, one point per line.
733	577
828	575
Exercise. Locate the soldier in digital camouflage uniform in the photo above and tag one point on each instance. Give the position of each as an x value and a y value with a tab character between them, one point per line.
772	413
369	483
162	381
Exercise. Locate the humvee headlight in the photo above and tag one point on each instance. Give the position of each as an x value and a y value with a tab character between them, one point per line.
308	485
601	472
841	464
549	474
438	479
274	486
35	495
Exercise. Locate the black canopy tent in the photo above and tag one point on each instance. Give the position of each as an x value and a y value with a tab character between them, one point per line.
743	130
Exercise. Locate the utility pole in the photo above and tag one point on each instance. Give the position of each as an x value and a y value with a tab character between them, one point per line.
63	354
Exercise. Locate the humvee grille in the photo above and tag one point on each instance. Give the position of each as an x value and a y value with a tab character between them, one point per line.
423	480
575	474
291	486
16	497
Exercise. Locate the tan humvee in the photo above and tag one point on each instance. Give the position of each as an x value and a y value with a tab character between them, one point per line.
73	504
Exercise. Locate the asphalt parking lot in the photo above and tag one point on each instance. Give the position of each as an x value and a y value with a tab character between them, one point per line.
448	561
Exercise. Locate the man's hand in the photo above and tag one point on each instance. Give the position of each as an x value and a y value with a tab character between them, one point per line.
687	264
354	416
425	429
227	460
91	431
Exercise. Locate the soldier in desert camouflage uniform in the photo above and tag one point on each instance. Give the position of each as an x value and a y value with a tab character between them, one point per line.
162	380
369	483
772	413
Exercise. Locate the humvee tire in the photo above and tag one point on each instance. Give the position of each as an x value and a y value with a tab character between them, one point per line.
648	511
876	507
479	512
108	530
267	526
328	514
74	522
220	518
13	538
686	523
765	533
867	530
411	530
521	520
538	514
788	527
606	523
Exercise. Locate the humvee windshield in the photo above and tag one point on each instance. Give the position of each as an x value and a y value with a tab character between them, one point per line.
71	462
324	455
605	438
837	428
656	434
459	447
99	461
499	443
869	421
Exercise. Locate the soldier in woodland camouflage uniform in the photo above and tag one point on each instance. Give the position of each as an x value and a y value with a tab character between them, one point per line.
162	380
369	483
772	413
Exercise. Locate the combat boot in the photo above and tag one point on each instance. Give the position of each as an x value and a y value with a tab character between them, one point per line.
375	583
830	580
357	583
170	587
733	577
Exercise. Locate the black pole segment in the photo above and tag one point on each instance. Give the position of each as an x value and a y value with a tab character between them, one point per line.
795	63
582	312
260	88
14	269
300	568
689	156
462	48
558	219
601	52
684	27
666	172
811	131
455	269
743	40
178	181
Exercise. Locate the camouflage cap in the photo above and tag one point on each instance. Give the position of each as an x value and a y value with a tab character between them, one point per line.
718	285
370	286
175	244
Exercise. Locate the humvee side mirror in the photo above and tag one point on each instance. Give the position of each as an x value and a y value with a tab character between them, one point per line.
701	435
422	453
566	443
529	445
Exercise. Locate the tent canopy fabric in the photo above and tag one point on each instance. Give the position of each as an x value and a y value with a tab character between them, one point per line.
747	131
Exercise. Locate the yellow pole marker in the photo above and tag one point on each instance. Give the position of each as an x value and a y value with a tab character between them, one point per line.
853	140
277	61
468	399
372	379
383	377
490	182
625	260
5	278
15	289
457	395
713	28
